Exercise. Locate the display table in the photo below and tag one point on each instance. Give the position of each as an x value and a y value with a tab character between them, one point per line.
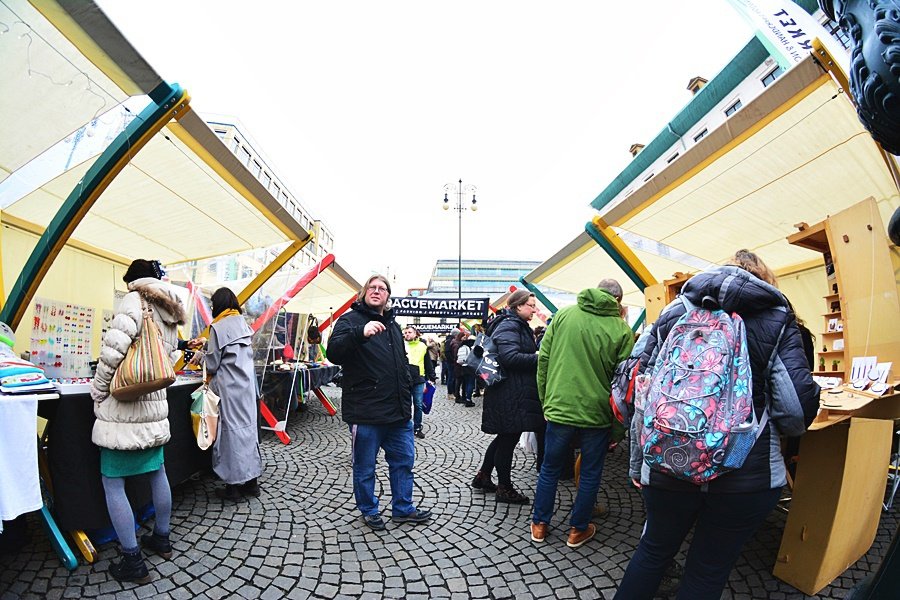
280	390
79	502
838	490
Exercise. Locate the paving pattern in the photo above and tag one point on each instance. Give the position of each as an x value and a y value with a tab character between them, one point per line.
303	538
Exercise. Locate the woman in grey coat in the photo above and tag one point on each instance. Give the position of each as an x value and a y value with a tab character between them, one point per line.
229	363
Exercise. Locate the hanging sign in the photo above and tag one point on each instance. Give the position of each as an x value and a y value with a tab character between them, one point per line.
467	308
787	31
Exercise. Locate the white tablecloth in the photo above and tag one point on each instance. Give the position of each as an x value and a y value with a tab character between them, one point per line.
20	489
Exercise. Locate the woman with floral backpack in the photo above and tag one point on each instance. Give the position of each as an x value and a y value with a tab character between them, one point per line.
725	507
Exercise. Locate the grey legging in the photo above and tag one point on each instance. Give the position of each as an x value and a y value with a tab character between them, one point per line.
120	509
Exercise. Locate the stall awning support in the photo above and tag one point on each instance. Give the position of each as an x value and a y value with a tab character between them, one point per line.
619	251
539	295
166	102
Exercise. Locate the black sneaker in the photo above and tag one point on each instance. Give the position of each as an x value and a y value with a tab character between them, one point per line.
469	404
419	434
375	522
417	516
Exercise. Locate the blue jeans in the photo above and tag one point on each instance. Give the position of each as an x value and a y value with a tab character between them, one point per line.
468	384
399	452
417	390
594	443
452	384
724	522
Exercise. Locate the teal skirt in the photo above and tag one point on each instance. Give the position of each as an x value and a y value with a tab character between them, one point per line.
125	463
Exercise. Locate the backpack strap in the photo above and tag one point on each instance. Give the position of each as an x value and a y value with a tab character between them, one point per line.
764	419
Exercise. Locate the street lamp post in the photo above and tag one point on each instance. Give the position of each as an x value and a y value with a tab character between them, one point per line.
460	190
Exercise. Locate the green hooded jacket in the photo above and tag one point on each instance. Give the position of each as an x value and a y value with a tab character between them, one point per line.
578	357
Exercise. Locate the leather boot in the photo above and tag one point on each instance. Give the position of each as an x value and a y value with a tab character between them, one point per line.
158	544
508	494
130	568
483	482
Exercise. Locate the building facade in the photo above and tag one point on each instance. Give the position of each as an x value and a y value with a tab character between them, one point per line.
480	278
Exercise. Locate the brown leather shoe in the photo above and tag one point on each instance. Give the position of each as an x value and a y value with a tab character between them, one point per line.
538	532
578	538
509	495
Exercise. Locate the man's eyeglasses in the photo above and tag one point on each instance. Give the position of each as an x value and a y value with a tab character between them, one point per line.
378	288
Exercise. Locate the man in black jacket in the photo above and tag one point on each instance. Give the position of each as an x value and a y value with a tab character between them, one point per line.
377	401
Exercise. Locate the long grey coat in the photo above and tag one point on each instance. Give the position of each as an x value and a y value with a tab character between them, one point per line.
229	361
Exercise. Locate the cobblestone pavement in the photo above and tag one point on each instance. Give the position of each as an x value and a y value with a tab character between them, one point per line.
304	539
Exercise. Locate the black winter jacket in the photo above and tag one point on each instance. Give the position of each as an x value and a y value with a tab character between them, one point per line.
789	390
512	405
376	384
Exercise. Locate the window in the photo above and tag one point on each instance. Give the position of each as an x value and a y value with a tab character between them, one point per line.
733	108
267	179
256	169
245	156
671	158
701	135
221	133
235	144
648	177
772	76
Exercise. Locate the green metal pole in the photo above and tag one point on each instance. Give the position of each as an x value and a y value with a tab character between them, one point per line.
539	295
163	99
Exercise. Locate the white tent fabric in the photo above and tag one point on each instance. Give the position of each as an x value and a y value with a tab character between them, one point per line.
797	153
184	196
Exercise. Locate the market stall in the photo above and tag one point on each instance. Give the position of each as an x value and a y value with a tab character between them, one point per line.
113	165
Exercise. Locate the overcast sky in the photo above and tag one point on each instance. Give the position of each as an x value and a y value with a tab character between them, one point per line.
366	109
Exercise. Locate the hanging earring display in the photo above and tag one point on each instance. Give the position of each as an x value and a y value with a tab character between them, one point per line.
61	338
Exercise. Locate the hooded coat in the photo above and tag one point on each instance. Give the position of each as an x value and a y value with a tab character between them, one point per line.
781	375
142	423
375	380
511	405
579	354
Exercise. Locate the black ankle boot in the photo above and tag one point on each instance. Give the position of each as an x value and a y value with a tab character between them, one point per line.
158	544
229	492
483	482
130	568
508	494
250	488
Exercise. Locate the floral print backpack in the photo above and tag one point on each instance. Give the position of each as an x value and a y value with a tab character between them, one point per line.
699	420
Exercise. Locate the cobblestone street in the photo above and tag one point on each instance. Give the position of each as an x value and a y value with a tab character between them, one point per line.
303	537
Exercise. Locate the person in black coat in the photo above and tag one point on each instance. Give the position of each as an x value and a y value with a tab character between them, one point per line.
377	401
511	406
724	511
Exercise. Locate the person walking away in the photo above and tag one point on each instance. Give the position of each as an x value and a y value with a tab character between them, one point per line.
131	434
420	369
465	374
434	354
451	347
725	510
376	401
578	357
229	365
511	406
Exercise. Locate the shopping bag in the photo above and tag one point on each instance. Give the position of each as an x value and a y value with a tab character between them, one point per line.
146	367
428	397
528	442
483	359
204	414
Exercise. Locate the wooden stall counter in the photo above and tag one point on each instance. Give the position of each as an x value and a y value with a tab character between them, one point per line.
838	489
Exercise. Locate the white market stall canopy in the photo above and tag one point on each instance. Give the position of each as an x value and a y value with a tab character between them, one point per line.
330	290
182	197
797	153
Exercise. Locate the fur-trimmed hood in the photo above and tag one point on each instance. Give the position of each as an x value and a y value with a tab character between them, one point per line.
161	295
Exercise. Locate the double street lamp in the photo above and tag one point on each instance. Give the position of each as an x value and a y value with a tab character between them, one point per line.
460	190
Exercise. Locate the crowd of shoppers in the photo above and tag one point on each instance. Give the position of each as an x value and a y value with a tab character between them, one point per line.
555	383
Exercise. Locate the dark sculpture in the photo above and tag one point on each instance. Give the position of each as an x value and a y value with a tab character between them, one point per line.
874	30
